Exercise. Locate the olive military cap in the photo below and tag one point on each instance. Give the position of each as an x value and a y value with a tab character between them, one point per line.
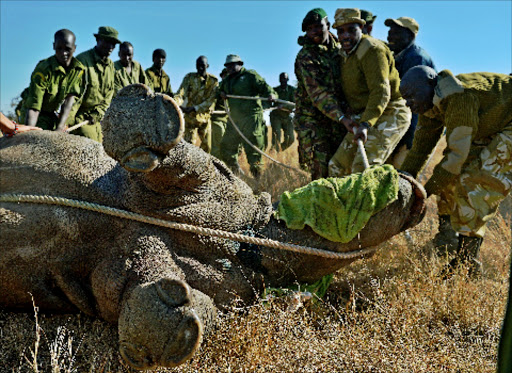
407	22
367	16
233	58
347	15
110	33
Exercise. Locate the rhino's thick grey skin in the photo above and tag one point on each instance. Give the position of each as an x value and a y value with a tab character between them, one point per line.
160	286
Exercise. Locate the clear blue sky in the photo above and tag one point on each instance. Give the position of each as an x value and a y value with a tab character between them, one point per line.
463	36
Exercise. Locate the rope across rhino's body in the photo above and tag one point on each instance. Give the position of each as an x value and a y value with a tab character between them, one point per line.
51	200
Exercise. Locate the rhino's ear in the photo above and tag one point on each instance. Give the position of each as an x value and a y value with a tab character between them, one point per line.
140	159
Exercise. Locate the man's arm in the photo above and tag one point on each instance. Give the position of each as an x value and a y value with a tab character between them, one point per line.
65	110
461	121
37	89
375	65
428	133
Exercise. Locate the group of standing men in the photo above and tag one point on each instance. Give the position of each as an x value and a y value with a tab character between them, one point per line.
66	91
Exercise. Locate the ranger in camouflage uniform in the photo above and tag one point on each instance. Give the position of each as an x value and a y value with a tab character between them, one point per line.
159	81
100	75
196	97
247	114
475	174
280	118
56	83
378	113
318	95
128	71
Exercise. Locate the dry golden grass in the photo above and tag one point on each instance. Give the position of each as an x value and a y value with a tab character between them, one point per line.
387	313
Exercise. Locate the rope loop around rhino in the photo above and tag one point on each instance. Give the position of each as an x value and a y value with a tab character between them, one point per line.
60	201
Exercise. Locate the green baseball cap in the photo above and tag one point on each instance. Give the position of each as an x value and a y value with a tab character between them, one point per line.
109	33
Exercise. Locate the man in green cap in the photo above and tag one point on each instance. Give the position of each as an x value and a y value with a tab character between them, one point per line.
219	120
100	75
280	117
377	114
196	97
369	18
128	71
318	96
475	174
159	81
247	114
56	83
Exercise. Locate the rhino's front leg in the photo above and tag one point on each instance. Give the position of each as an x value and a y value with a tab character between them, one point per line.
162	323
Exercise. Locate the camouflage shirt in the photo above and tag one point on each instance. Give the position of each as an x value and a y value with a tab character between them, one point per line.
100	86
200	93
50	84
159	82
318	80
123	78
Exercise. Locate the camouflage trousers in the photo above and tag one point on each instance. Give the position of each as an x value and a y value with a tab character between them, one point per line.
218	130
383	137
199	132
473	197
318	140
282	127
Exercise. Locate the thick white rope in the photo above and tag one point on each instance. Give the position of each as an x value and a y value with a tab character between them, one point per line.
50	200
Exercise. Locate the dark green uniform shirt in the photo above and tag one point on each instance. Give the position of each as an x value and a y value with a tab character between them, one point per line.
100	77
287	94
123	78
159	83
245	83
50	84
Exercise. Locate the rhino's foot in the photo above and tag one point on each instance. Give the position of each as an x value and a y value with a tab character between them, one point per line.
159	326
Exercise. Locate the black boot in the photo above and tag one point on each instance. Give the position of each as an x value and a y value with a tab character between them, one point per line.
468	251
446	240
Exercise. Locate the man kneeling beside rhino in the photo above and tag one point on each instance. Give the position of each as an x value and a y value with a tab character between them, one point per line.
140	276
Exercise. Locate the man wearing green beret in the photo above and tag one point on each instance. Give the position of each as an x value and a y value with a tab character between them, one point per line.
56	83
369	18
196	97
475	174
128	71
377	114
319	96
159	81
100	75
280	117
247	114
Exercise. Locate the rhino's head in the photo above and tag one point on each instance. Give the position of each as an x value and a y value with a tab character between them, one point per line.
140	127
162	323
173	179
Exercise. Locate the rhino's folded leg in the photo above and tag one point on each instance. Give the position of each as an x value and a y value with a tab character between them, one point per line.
73	289
162	323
